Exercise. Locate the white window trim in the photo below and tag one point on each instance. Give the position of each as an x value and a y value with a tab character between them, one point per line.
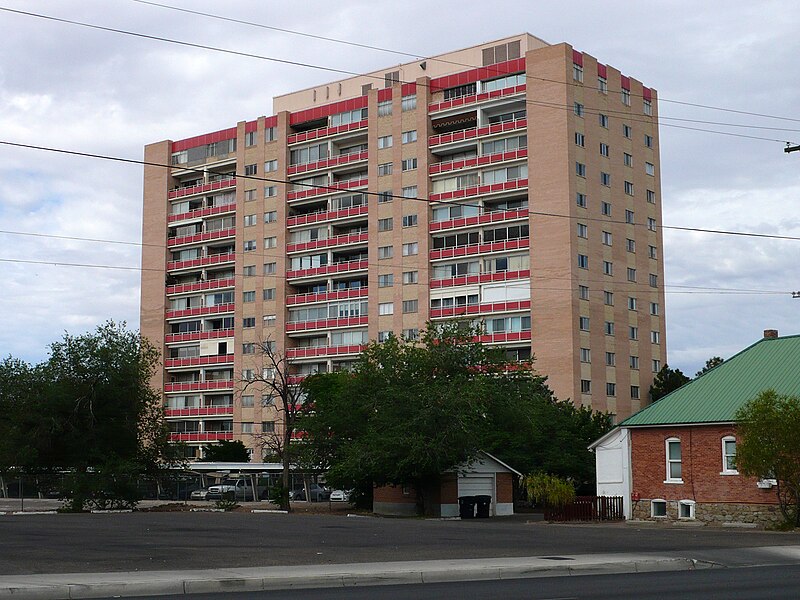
659	500
667	460
725	469
691	504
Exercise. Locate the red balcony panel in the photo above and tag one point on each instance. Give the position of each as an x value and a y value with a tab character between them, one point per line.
193	336
479	161
466	100
325	296
208	411
201	310
495	338
479	249
199	386
198	361
202	189
202	212
295	379
316	134
323	351
328	189
203	261
479	309
328	163
339	240
492	217
480	190
332	215
212	436
474	132
353	265
202	237
483	278
213	284
327	323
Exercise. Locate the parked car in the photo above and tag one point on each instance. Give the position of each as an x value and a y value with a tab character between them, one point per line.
317	492
200	494
341	495
234	489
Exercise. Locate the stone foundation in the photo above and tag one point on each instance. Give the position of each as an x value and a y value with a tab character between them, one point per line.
714	513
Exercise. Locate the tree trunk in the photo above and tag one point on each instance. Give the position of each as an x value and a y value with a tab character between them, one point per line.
287	438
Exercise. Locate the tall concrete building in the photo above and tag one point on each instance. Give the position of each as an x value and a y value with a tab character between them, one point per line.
514	182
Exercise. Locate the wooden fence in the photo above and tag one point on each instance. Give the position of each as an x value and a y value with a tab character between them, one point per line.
588	508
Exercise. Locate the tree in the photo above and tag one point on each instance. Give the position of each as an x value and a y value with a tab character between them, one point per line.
410	412
667	380
226	451
768	446
710	364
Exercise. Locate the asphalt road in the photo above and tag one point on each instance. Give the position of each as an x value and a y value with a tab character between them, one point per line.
68	543
755	583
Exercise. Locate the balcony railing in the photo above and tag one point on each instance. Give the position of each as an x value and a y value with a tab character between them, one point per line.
203	188
338	240
343	267
198	361
211	436
478	161
323	351
486	218
326	323
476	132
206	411
193	336
202	212
213	284
479	309
326	215
497	338
328	163
201	310
199	386
316	134
325	296
465	100
202	237
330	188
203	261
479	248
480	190
480	278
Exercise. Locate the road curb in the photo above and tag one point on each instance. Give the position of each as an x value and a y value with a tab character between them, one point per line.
252	579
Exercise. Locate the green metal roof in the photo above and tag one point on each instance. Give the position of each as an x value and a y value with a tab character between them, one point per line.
715	396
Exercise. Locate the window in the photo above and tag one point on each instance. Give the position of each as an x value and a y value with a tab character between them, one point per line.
246	426
673	451
409	164
651	196
384	108
577	72
270	191
384	336
578	109
634	392
648	140
384	142
249	271
385	169
385	251
469	89
583	292
270	320
411	334
604	150
630	245
655	337
607	238
385	224
583	231
629	188
249	245
609	327
658	508
580	200
271	165
248	322
602	85
580	139
625	96
586	355
250	169
654	309
269	293
653	280
270	134
605	208
270	268
267	400
729	456
627	159
603	120
686	509
385	280
656	365
249	296
631	274
632	303
586	386
409	136
408	103
410	249
250	139
583	323
409	220
248	349
247	401
608	267
386	308
580	169
634	362
410	306
651	223
611	359
608	298
649	168
647	107
249	195
410	277
627	130
611	389
409	192
583	261
605	178
385	196
271	216
267	426
271	242
633	332
652	252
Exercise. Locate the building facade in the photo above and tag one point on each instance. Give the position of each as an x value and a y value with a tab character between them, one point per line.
515	183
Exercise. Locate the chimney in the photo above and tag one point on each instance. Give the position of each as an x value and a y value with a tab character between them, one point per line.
770	334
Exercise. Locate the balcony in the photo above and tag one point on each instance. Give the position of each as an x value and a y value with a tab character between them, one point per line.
479	309
198	361
323	351
498	338
344	267
201	286
476	132
322	132
479	248
199	386
325	296
475	98
478	161
194	336
331	188
326	323
211	436
203	261
201	310
202	237
207	411
203	188
202	212
482	278
480	190
339	240
326	215
328	163
486	218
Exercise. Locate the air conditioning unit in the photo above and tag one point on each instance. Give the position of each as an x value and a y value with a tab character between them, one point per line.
765	484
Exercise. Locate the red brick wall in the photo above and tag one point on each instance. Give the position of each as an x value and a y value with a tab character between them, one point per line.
701	454
505	488
449	489
394	493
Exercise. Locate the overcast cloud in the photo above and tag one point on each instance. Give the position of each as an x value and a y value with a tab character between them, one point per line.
69	87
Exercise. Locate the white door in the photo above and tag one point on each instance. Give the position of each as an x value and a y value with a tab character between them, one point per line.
477	485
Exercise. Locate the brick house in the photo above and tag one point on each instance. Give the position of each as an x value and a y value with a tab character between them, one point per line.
486	475
676	459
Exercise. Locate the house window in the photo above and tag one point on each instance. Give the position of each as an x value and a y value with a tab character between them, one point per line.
409	220
583	261
604	151
605	208
634	392
658	508
630	245
249	271
270	134
686	509
410	306
269	293
248	322
631	275
250	139
577	72
626	96
385	169
385	224
729	456
409	192
249	245
247	401
651	223
654	309
410	277
627	159
603	120
605	179
408	103
249	296
247	427
609	298
271	216
580	139
583	230
384	141
651	196
385	196
409	136
583	323
648	140
271	242
634	362
578	108
583	292
627	130
384	108
580	169
655	337
249	348
384	336
409	164
248	374
608	239
386	308
653	280
271	165
250	169
586	355
649	168
633	332
609	327
611	359
647	107
629	188
270	191
586	386
580	200
385	251
652	252
411	334
385	280
602	85
411	249
673	452
270	268
611	389
608	267
267	426
270	320
656	365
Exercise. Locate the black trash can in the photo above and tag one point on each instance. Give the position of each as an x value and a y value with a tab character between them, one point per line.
466	507
483	503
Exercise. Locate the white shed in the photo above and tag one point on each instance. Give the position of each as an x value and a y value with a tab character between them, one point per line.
613	463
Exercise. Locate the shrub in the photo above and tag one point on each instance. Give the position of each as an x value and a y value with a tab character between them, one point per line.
549	490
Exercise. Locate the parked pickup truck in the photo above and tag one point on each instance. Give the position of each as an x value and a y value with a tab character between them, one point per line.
235	489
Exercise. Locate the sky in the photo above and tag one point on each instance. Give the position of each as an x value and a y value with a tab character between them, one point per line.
99	92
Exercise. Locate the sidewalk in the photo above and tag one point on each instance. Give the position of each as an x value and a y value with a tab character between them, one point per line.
94	585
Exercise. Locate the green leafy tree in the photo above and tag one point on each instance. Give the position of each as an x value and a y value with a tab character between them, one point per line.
226	451
768	446
710	364
667	380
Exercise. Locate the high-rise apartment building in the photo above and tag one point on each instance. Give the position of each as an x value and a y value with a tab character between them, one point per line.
515	182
